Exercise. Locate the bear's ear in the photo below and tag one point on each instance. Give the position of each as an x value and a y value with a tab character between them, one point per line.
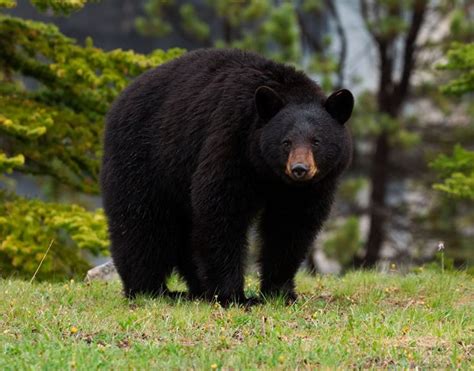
268	102
340	105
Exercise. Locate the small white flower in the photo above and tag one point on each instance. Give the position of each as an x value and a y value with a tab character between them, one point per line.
440	245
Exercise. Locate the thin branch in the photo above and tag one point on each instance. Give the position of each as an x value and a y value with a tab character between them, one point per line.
342	37
385	49
364	11
313	42
409	48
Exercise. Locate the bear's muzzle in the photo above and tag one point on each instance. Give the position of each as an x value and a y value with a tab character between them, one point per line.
301	165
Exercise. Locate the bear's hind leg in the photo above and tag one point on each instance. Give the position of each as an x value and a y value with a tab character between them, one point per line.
188	270
144	251
186	265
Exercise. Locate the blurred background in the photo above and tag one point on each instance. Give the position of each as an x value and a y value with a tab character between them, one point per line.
405	203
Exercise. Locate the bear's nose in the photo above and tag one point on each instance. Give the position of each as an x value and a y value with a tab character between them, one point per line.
299	170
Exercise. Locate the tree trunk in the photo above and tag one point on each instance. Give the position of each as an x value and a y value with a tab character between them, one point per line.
391	97
377	210
227	31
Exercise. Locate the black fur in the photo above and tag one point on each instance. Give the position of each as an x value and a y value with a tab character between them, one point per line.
189	164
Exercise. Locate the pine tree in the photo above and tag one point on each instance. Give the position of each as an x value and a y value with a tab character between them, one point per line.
457	170
52	129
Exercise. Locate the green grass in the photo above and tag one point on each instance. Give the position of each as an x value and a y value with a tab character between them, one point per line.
359	320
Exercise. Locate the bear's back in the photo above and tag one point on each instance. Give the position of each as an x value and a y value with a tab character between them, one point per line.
161	121
194	86
212	89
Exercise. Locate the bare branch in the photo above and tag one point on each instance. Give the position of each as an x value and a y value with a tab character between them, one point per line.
342	37
313	42
364	11
419	10
385	49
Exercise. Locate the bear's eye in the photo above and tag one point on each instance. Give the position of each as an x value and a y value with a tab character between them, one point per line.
315	142
286	144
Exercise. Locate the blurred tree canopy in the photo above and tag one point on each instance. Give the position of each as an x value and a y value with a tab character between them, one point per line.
286	31
263	25
54	94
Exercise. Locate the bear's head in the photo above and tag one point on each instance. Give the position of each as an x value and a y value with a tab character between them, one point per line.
304	142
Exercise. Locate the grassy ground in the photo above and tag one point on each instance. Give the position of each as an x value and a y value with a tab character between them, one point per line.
359	320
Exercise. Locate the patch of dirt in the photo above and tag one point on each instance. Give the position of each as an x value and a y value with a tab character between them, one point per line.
124	344
378	362
406	303
466	300
424	342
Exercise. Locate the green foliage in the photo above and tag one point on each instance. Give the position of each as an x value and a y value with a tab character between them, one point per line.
462	27
368	122
461	61
344	241
457	170
54	130
365	120
313	5
57	6
192	24
27	227
276	35
458	173
61	6
7	3
442	263
63	117
7	164
350	187
154	26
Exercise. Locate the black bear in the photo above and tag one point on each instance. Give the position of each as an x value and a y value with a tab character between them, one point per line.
199	148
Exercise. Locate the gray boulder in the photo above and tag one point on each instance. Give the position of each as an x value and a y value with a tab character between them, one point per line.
103	272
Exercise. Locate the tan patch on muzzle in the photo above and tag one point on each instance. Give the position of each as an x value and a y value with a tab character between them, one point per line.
301	165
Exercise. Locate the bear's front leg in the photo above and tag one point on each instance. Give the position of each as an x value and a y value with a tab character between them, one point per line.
222	212
287	228
220	248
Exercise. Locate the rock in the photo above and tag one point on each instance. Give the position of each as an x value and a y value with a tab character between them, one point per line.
103	272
